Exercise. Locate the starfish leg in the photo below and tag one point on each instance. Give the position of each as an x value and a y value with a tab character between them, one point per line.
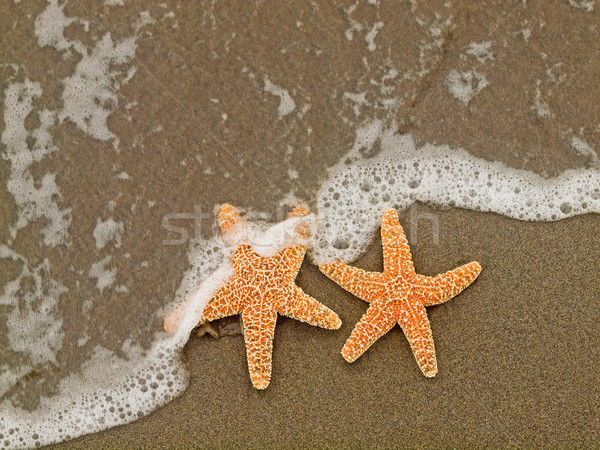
223	304
303	307
293	257
259	330
373	324
365	285
417	330
396	252
244	256
228	217
441	288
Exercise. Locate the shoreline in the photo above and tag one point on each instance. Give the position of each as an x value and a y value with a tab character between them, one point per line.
515	353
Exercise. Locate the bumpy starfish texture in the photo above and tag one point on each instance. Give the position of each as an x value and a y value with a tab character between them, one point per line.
398	295
261	288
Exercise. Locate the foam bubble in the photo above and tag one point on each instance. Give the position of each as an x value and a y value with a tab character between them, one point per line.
106	231
464	85
109	391
351	201
585	149
35	199
480	50
585	5
50	25
370	36
105	277
286	102
89	96
33	328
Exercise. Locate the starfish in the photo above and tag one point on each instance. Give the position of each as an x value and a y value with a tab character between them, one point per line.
398	295
261	288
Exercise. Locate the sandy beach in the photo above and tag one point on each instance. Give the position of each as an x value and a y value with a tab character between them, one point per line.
517	354
134	111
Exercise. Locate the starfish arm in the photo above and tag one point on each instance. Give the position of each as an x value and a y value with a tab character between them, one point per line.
373	324
259	330
417	330
292	257
441	288
228	217
303	307
365	285
224	303
244	256
396	252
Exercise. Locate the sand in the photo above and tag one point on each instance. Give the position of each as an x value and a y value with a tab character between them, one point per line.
517	353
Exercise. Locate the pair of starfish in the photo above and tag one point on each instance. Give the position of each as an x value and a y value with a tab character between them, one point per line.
263	287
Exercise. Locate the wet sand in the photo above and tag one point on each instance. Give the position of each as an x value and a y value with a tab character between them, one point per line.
517	351
517	354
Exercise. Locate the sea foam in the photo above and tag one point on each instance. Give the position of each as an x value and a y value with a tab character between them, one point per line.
112	390
351	201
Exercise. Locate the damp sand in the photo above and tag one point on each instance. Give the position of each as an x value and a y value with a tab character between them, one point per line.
517	353
517	350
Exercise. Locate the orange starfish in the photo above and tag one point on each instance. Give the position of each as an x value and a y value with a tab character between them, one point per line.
261	288
398	295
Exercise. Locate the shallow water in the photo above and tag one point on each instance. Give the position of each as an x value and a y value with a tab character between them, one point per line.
122	122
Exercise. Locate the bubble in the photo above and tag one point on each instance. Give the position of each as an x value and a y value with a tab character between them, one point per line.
341	244
441	176
565	208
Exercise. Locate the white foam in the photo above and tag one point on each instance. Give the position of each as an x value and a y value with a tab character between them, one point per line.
352	200
106	231
35	199
8	253
464	85
480	50
286	102
585	5
354	25
105	277
585	149
144	19
370	36
109	391
359	99
33	328
10	376
89	95
50	25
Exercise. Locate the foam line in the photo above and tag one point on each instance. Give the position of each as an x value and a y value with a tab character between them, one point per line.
351	201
